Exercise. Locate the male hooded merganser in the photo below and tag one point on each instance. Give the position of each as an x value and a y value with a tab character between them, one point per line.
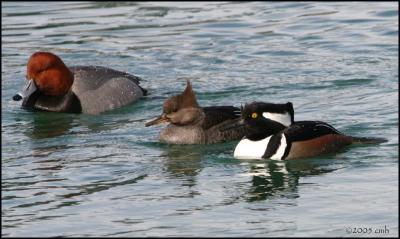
52	86
192	124
273	133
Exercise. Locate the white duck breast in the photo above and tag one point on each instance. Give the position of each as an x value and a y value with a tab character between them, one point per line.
248	149
271	147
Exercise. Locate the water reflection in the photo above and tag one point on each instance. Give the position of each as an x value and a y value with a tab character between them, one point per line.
48	125
184	162
205	41
269	178
281	178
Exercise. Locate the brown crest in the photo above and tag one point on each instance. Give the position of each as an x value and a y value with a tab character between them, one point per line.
187	99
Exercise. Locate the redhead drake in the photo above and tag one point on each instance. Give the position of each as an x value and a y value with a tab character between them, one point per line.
191	124
273	133
52	86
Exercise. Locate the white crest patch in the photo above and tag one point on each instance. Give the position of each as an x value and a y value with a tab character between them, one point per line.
284	119
248	149
281	149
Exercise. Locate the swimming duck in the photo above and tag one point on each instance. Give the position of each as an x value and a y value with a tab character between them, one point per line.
52	86
273	133
191	124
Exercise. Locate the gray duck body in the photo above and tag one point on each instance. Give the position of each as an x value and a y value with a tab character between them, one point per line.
101	89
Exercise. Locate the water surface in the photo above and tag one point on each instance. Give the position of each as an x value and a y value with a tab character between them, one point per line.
107	175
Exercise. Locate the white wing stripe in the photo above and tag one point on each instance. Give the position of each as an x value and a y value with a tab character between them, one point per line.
281	149
329	127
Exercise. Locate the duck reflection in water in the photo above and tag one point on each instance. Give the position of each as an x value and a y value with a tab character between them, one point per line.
183	161
268	179
187	161
281	178
47	125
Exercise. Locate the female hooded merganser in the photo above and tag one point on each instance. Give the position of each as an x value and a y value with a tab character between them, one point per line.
52	86
273	133
192	124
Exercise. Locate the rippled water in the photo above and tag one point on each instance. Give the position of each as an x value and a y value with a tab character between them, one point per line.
82	175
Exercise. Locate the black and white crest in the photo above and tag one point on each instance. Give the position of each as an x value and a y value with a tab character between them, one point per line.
281	113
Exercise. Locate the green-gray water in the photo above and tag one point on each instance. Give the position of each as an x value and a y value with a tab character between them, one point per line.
107	175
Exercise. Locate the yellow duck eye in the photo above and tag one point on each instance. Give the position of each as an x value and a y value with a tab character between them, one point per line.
254	115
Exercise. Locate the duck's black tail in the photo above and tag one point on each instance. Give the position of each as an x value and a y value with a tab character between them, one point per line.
367	140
